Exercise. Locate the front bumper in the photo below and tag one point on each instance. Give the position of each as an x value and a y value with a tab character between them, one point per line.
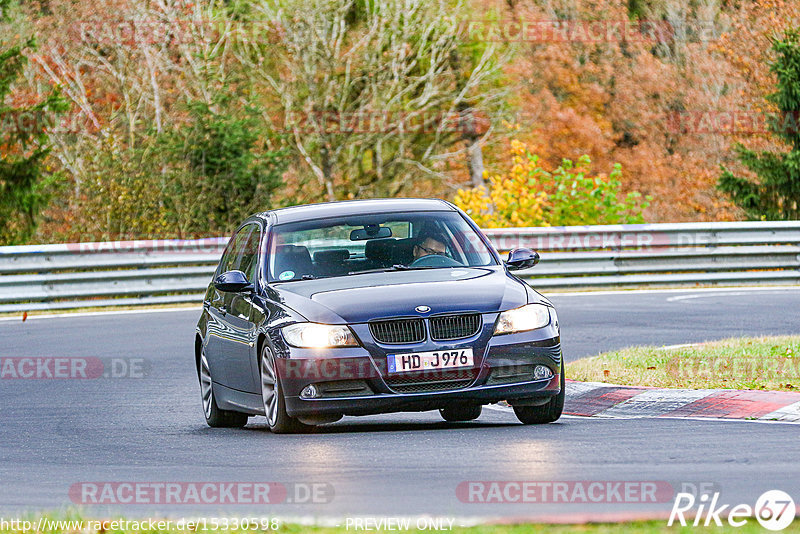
420	402
354	381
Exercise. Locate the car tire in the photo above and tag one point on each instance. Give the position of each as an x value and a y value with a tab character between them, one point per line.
546	413
278	421
215	417
461	412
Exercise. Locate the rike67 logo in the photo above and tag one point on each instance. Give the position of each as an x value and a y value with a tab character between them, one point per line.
774	510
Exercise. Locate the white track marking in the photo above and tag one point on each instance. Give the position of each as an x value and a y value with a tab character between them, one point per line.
721	294
18	317
785	414
601	293
579	388
509	409
602	417
722	420
655	402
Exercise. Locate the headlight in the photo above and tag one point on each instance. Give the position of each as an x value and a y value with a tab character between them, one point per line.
314	335
528	317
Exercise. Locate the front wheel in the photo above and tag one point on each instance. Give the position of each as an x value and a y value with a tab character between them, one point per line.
278	420
546	413
214	416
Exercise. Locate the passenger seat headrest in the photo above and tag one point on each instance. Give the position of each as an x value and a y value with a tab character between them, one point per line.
331	256
379	249
292	262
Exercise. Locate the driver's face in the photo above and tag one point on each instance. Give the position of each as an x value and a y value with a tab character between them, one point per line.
428	247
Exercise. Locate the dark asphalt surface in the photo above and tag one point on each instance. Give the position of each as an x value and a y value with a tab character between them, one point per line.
56	433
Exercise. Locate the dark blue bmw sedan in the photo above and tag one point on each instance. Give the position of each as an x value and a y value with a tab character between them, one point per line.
373	306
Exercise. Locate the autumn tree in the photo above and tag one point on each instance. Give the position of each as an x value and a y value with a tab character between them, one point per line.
609	92
24	143
376	93
775	193
164	139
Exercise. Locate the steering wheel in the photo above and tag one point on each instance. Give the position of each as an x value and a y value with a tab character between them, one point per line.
435	260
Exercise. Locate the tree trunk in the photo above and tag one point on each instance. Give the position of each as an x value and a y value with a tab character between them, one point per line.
475	162
327	172
470	132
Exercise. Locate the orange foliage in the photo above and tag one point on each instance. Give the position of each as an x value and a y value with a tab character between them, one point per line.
610	100
613	100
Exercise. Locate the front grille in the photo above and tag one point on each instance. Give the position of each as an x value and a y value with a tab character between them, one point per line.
397	331
427	387
344	388
432	380
448	327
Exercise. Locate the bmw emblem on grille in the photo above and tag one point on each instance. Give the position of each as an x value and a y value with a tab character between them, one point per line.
423	309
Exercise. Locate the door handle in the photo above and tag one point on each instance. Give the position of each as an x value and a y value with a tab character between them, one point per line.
223	310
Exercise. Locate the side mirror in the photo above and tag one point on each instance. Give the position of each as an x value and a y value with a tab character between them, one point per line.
232	282
522	258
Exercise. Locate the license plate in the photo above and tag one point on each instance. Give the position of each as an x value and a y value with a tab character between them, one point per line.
421	361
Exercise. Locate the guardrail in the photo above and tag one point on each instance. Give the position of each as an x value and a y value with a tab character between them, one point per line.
52	277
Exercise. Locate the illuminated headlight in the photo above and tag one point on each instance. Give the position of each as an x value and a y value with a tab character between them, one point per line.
314	335
528	317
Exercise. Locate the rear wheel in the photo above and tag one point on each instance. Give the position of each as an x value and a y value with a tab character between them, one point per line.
461	412
546	413
278	420
214	416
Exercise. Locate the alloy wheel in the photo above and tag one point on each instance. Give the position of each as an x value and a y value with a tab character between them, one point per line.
206	389
269	386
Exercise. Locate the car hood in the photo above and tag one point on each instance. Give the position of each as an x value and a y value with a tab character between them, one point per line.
360	298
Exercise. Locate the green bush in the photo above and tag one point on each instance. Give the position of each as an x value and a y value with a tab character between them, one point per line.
528	195
196	179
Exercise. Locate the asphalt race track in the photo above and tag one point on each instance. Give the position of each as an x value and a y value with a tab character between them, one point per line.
55	434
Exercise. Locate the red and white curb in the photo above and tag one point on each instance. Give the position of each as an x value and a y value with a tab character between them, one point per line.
594	399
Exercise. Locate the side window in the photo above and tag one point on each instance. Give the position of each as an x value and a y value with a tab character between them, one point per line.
230	259
249	254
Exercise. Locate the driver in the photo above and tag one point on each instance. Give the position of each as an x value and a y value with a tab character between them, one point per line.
430	243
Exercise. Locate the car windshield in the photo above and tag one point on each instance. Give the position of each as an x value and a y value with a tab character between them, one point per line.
360	244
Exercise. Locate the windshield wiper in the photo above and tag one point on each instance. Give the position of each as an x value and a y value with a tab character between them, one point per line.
397	267
304	277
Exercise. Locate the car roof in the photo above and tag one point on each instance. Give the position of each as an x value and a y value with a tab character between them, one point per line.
354	207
